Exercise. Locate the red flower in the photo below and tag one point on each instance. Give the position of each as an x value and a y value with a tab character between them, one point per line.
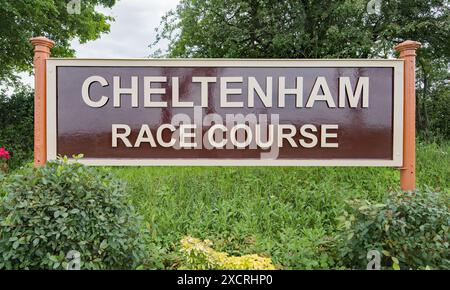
3	153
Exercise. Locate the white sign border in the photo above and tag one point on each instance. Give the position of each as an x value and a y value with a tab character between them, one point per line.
396	64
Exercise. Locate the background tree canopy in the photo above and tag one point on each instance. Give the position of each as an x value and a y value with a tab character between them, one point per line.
22	19
321	29
303	29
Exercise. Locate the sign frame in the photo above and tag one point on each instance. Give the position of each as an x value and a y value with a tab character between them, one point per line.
397	125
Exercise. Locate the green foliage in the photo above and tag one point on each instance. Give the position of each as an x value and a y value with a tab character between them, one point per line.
2	187
302	29
307	248
22	19
411	230
433	98
438	111
261	28
433	166
287	213
198	255
50	211
16	125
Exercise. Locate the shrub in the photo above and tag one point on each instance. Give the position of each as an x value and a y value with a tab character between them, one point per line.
411	231
198	255
16	125
61	207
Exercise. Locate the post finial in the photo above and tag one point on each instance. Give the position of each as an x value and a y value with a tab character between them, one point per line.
42	40
408	46
42	44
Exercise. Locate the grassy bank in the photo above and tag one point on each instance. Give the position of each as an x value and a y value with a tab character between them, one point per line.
287	213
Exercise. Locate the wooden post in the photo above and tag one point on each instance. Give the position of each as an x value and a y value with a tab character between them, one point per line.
42	46
407	51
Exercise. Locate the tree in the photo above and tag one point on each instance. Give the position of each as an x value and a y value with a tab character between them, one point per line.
427	21
315	29
433	98
269	28
303	28
22	19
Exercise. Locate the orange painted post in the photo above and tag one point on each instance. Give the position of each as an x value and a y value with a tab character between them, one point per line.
407	51
42	46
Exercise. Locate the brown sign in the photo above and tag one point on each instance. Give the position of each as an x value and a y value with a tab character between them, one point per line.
226	112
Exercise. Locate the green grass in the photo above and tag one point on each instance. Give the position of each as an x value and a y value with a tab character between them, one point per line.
287	213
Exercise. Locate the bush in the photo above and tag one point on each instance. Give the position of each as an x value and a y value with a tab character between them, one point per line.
198	255
61	207
411	231
16	125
